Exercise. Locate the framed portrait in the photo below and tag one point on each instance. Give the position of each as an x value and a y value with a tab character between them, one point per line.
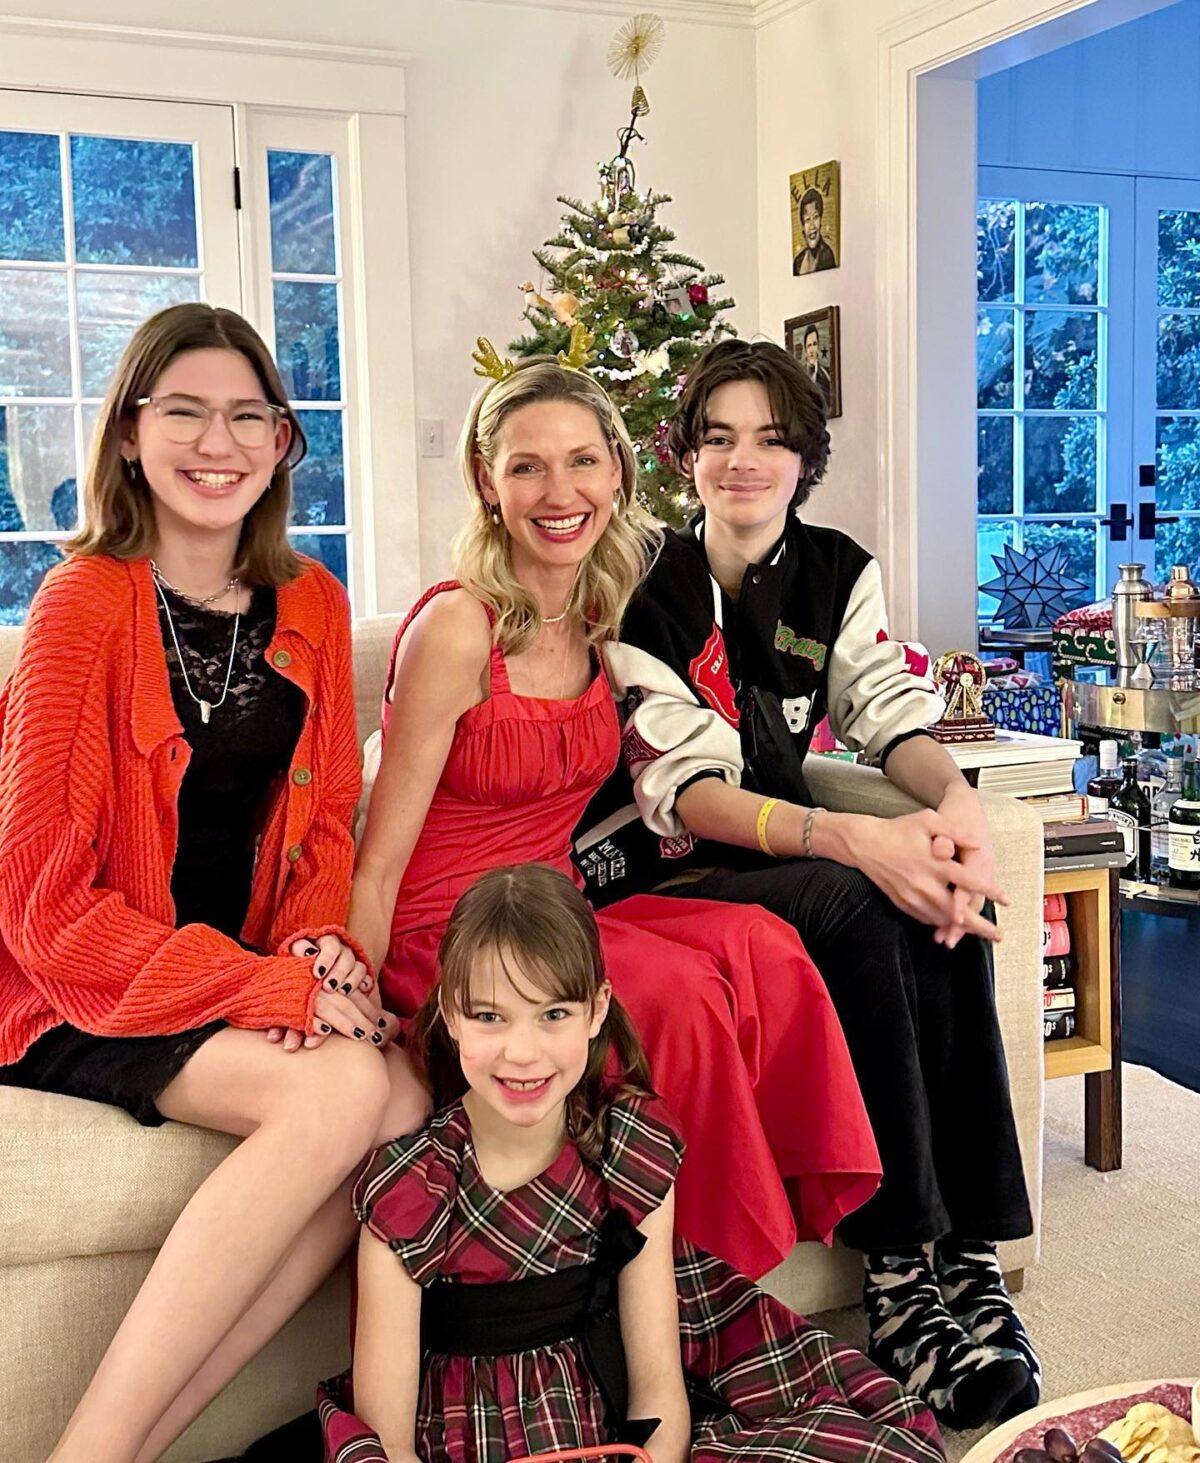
815	340
816	202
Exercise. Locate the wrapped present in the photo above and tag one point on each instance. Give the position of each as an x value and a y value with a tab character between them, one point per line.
1084	637
1036	708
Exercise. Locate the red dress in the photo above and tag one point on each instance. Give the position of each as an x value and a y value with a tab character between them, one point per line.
742	1038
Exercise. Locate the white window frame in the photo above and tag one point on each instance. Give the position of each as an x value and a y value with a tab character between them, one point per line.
354	96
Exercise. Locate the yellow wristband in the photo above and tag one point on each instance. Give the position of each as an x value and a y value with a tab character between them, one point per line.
764	816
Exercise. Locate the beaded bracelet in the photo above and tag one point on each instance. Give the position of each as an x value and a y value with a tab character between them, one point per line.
764	815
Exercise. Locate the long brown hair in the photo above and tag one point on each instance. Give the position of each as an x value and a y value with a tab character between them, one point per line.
482	549
118	514
534	918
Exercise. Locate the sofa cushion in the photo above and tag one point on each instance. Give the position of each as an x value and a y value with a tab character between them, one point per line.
372	649
83	1178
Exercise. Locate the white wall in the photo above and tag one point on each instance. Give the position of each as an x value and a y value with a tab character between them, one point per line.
1127	101
509	105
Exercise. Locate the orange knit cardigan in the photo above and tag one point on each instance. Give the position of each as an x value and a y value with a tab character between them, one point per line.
91	759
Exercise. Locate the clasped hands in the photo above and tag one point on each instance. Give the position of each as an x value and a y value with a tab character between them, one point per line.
348	1003
937	866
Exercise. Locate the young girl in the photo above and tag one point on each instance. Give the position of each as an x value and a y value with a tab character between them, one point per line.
891	909
516	1287
178	769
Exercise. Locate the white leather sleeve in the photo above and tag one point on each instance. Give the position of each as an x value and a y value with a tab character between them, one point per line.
879	689
669	737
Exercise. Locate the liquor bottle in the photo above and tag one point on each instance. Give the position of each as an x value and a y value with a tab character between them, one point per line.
1129	808
1183	834
1106	782
1160	810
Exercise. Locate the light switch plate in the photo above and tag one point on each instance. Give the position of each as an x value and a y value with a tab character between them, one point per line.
432	431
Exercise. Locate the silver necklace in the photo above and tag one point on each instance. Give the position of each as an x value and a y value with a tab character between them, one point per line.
553	619
206	707
161	578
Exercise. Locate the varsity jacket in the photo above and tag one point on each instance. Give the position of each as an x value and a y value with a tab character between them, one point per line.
713	688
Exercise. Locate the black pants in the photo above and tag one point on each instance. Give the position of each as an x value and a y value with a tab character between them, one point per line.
921	1025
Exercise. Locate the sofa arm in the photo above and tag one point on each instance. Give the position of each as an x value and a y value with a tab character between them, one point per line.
847	787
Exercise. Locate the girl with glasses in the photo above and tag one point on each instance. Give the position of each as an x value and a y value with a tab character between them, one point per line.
178	771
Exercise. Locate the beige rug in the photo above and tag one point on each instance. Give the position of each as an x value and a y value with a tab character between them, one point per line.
1116	1294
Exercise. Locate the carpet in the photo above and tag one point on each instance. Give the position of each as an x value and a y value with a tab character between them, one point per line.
1115	1295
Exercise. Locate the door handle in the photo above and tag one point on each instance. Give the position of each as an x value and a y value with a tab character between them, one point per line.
1148	520
1118	522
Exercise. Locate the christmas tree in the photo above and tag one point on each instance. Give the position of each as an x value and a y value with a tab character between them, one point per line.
650	309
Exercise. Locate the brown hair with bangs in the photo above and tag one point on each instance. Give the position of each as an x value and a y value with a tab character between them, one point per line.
539	924
118	516
797	406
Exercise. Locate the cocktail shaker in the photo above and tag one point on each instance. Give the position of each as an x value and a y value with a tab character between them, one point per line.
1181	629
1131	587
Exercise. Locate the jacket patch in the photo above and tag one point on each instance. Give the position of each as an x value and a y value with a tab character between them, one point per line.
796	711
915	661
790	643
676	847
635	749
709	673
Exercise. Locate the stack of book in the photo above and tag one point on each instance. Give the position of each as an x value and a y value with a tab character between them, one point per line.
1058	992
1085	843
1022	764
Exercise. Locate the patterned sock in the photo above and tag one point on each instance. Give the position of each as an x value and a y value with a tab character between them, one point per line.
972	1286
913	1336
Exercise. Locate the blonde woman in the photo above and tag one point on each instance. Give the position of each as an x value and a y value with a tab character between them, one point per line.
499	725
178	769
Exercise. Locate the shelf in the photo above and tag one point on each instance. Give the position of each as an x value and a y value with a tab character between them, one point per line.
1135	894
1072	1056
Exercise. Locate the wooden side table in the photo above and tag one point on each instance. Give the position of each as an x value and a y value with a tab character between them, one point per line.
1094	914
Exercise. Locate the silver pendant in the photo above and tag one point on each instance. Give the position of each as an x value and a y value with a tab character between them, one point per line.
205	711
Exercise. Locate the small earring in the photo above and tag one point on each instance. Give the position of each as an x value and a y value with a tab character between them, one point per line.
495	512
616	505
130	468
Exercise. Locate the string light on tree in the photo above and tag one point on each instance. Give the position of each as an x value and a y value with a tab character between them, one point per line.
651	308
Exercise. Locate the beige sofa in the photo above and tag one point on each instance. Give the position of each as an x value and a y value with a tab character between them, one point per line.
87	1196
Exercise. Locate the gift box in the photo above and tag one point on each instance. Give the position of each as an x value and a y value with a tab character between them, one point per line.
1036	708
1083	637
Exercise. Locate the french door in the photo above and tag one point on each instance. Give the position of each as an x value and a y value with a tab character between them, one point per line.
109	210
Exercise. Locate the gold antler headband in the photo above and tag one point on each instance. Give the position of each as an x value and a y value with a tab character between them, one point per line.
579	355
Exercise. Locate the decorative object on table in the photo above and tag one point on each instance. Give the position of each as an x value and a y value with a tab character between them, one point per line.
1130	589
1023	702
614	267
816	201
815	340
961	676
1142	674
1083	637
1033	589
1181	594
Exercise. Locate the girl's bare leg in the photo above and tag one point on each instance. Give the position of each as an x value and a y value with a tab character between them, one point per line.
325	1240
307	1118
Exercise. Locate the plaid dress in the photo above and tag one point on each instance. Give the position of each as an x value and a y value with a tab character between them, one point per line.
763	1382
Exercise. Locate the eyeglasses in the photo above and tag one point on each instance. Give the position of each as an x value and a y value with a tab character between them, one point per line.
185	419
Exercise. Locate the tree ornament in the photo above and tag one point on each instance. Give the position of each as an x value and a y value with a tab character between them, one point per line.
566	307
624	343
1033	589
533	301
620	238
698	294
634	49
653	363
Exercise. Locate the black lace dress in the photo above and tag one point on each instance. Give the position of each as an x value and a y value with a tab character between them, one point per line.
238	755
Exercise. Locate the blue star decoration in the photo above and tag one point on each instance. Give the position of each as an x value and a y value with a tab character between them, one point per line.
1033	589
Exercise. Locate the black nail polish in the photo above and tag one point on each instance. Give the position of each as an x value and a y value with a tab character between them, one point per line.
381	1023
347	988
332	983
312	950
359	1033
377	1039
320	968
325	1029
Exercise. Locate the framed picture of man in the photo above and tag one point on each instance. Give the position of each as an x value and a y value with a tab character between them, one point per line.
816	218
815	340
